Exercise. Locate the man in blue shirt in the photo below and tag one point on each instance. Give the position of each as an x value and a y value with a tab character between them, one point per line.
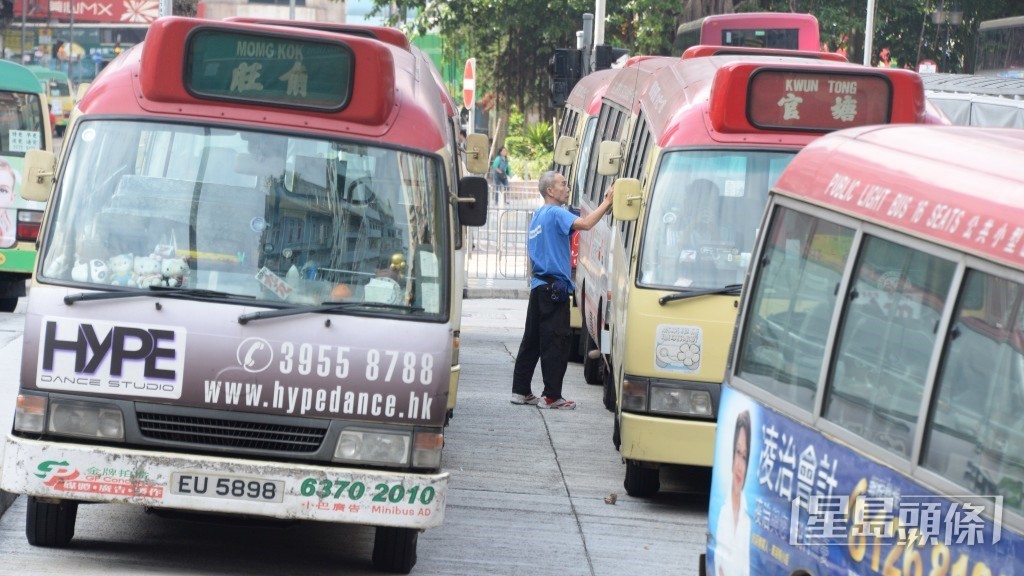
546	337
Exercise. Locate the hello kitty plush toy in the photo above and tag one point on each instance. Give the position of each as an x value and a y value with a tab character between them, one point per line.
174	272
90	271
147	272
120	268
80	271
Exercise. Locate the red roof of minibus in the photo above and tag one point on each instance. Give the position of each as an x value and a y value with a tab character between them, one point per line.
627	86
954	185
391	36
587	93
702	50
716	89
390	102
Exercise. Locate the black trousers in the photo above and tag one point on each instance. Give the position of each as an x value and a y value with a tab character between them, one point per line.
546	338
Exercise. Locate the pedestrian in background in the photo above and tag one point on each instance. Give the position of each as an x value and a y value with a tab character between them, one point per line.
501	171
546	337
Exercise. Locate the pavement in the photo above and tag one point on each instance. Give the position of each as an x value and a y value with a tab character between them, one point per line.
532	491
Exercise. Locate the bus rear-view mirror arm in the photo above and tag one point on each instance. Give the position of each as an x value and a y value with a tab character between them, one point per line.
565	150
39	170
626	203
610	158
472	201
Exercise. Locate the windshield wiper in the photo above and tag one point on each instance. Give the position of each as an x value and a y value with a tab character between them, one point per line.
729	290
323	307
154	290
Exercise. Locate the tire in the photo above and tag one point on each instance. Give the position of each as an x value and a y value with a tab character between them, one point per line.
616	435
50	525
608	382
641	482
576	352
394	549
592	367
8	304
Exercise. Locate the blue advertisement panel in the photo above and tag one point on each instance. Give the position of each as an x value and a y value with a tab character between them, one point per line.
785	499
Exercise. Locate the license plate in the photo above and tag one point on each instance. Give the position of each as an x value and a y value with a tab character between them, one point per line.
227	487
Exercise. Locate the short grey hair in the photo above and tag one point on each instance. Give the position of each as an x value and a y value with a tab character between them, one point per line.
547	180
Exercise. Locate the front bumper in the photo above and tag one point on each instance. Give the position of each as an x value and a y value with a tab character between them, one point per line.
90	473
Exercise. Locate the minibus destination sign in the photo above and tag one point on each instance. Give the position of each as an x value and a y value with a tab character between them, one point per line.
817	101
265	69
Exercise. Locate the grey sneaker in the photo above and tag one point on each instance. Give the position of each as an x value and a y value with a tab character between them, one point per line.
521	399
557	404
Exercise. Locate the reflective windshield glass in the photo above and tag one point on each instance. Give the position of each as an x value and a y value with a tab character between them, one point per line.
21	122
703	216
282	219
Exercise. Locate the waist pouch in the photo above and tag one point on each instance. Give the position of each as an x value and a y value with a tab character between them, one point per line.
559	289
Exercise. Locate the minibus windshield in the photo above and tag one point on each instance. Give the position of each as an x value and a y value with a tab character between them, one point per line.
280	220
705	209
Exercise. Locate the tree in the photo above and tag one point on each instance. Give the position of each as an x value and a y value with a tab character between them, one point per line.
512	40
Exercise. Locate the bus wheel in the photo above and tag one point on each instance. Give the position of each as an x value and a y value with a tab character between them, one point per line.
394	549
641	482
616	435
8	304
50	525
609	391
592	361
576	351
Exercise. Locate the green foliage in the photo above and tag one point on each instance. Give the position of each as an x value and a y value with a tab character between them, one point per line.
530	146
512	41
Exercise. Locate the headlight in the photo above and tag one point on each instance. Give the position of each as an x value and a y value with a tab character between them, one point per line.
634	394
86	419
30	413
682	401
372	447
426	451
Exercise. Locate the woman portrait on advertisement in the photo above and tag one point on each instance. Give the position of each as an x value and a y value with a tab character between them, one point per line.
732	537
8	185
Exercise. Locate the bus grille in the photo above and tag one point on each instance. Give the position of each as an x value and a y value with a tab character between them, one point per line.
230	433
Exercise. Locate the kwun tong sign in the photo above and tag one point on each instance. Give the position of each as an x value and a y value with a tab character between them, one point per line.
108	11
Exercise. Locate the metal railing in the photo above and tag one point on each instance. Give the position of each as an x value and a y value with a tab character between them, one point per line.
497	250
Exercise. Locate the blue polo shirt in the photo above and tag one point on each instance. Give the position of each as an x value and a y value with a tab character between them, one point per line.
548	244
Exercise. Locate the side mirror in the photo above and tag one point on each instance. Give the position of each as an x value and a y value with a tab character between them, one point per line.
626	203
565	150
472	201
476	153
37	175
610	158
80	93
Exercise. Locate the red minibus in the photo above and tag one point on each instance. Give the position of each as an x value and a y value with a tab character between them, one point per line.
711	135
789	30
870	419
247	297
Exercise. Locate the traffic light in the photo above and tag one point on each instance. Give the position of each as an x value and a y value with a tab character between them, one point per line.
563	74
605	56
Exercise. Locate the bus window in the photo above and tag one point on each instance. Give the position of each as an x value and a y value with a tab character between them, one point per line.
975	430
885	342
21	122
700	234
800	269
1001	48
